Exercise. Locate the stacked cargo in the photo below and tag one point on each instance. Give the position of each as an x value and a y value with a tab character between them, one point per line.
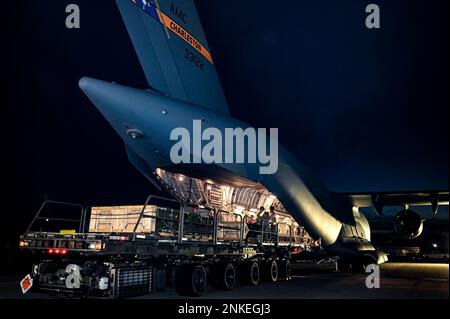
122	219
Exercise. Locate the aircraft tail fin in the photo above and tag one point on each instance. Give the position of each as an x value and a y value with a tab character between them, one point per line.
169	40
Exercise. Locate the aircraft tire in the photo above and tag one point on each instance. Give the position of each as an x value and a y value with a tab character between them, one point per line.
344	266
357	267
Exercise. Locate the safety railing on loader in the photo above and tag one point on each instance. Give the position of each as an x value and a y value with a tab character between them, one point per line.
165	219
229	227
38	217
169	223
271	233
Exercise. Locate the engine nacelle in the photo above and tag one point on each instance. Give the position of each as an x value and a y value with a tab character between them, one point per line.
408	223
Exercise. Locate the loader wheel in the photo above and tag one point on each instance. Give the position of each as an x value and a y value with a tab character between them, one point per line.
223	276
250	274
271	271
190	280
285	270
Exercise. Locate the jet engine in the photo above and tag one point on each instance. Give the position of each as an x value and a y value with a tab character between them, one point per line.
408	223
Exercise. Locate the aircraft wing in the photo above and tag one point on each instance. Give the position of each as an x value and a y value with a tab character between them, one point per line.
379	200
169	40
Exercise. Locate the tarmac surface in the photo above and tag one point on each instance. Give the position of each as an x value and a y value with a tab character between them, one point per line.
397	281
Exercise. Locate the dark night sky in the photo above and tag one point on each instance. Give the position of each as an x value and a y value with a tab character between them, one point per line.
364	109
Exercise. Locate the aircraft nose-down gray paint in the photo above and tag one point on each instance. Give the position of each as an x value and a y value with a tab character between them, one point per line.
175	57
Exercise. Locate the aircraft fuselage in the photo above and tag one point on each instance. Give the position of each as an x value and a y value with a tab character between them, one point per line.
145	121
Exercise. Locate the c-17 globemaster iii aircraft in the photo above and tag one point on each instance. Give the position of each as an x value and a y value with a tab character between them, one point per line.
184	90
